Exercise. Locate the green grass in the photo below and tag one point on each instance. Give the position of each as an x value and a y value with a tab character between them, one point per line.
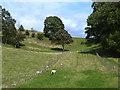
79	45
113	61
18	61
75	73
34	44
68	79
79	70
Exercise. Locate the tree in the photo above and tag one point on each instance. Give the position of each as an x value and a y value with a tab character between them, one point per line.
40	36
27	32
19	37
104	24
8	27
21	28
0	23
9	33
62	37
33	35
51	25
32	29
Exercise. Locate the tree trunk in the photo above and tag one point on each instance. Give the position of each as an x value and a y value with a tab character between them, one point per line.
63	46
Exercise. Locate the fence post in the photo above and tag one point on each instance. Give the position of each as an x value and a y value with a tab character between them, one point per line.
8	82
18	82
14	84
31	75
25	78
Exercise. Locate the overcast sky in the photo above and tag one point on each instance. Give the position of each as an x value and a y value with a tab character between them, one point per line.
33	14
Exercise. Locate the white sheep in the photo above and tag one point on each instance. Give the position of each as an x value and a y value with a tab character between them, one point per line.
53	72
38	72
47	67
61	64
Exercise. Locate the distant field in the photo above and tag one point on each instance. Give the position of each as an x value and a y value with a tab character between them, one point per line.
79	69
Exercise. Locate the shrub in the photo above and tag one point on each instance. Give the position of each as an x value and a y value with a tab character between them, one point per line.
33	35
40	36
27	32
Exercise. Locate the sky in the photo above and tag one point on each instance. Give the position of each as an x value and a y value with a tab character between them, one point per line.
33	14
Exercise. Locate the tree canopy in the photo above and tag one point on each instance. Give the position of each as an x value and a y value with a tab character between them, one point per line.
62	37
51	25
104	25
9	33
40	36
21	28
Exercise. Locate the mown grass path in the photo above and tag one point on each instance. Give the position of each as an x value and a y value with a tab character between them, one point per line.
56	53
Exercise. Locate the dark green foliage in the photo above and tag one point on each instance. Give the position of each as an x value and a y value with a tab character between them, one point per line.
19	37
27	32
0	18
9	33
51	25
104	25
62	37
112	43
40	36
33	35
21	28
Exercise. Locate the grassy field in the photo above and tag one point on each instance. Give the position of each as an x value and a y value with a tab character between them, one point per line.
79	70
23	62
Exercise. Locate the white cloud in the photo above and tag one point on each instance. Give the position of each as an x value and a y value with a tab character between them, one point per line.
29	22
69	23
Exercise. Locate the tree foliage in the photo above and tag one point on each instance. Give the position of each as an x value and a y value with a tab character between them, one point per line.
27	32
9	33
62	37
33	35
21	28
104	25
51	25
40	36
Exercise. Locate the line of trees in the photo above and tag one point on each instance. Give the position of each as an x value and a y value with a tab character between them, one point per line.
104	25
10	35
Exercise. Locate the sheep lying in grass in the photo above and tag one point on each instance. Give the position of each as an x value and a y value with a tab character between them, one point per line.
38	72
47	67
61	64
53	72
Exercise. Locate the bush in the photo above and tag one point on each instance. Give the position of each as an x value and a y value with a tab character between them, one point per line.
40	36
33	35
82	42
27	32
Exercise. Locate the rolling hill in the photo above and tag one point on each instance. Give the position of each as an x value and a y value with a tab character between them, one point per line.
81	68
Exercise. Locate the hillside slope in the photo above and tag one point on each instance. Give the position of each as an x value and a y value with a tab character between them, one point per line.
78	69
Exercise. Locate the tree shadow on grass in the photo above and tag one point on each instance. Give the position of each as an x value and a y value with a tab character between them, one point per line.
101	52
59	49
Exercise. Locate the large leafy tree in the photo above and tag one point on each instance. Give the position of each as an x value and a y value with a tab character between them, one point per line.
51	25
9	33
104	25
62	37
